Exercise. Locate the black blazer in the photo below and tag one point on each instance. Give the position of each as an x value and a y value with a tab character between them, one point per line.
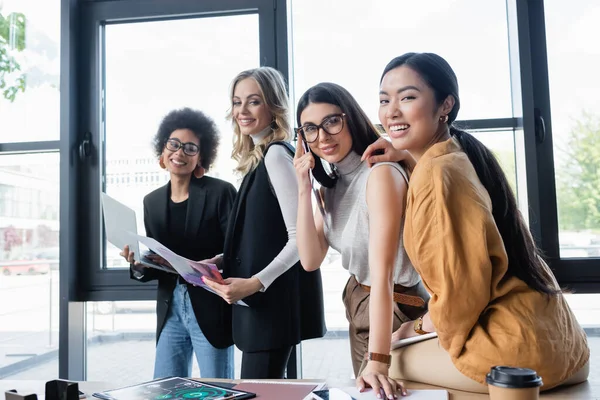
291	309
209	205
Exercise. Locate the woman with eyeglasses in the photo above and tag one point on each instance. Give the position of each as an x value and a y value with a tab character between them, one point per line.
359	216
188	215
260	260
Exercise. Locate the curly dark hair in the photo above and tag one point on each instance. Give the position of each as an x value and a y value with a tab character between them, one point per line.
196	121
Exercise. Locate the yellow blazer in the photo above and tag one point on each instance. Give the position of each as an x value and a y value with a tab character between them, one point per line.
483	317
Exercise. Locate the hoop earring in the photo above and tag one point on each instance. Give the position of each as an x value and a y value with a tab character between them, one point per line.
444	119
199	171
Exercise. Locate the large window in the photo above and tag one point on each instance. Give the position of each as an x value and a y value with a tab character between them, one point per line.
29	279
29	185
29	70
152	68
573	63
122	65
144	59
350	44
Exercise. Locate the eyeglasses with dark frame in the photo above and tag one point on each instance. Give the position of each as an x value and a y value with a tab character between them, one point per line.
332	125
189	148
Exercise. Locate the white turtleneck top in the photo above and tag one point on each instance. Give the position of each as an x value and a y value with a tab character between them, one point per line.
347	221
282	175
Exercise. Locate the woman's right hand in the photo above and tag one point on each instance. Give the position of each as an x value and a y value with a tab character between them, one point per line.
129	256
303	162
386	153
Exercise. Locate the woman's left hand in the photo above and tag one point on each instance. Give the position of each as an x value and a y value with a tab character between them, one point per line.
234	289
375	375
155	258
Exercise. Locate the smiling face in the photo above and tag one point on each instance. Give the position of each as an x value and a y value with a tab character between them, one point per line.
331	148
250	111
409	111
178	162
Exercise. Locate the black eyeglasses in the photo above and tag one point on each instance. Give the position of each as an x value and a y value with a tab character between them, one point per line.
189	148
332	125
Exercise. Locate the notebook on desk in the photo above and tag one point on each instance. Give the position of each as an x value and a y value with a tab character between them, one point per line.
278	390
352	393
415	339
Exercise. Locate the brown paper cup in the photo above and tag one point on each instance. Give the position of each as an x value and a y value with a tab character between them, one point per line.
508	383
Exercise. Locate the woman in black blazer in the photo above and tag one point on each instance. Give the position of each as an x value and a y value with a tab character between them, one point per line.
260	257
188	215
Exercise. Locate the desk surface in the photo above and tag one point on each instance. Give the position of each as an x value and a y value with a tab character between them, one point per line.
583	391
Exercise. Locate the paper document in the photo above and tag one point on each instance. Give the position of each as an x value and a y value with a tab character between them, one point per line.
352	393
415	339
191	271
119	222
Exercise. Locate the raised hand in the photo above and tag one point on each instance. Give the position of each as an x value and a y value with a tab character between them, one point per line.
303	162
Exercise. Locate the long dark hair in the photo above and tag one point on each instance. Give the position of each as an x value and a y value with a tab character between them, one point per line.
524	258
361	129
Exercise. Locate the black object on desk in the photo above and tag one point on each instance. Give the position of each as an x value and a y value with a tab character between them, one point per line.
59	389
13	395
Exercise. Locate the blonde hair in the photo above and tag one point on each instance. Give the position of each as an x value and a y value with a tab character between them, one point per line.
272	87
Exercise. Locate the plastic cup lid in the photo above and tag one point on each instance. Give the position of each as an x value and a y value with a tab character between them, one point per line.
509	377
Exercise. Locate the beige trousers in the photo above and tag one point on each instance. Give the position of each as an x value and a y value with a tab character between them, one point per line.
356	301
427	362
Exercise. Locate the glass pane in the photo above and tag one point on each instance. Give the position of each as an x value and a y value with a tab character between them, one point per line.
329	357
502	144
29	70
153	68
125	330
329	45
571	35
29	280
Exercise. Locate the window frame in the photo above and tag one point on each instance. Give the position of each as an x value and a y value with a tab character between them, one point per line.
115	285
527	18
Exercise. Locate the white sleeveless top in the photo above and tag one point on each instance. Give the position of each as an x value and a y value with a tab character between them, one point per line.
347	221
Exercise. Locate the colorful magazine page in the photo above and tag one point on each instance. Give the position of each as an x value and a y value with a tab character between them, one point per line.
174	388
191	271
148	263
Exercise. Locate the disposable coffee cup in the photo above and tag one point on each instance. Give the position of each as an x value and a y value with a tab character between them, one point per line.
508	383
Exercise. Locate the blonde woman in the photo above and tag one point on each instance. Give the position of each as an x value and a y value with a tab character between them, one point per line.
260	259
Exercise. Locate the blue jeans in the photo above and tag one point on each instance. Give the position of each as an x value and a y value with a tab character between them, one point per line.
181	336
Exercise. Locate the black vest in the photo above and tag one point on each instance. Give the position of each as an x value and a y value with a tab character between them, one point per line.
291	309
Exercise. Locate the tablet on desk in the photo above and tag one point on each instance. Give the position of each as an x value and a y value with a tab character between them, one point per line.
174	388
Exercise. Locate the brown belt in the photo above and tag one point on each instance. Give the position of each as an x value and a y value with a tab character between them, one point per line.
401	298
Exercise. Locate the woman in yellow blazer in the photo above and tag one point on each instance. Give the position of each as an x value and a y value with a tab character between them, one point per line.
494	301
